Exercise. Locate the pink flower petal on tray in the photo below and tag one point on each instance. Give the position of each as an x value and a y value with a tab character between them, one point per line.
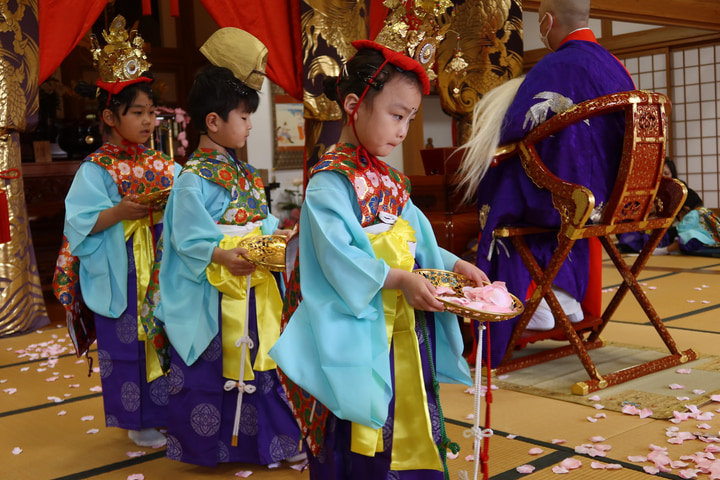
637	458
525	469
597	439
600	415
698	391
557	441
135	454
594	398
651	470
676	386
16	451
559	469
598	406
592	420
243	473
511	436
715	398
645	412
630	409
136	476
92	431
535	451
87	418
683	371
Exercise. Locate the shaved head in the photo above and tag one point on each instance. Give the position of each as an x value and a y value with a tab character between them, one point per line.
570	14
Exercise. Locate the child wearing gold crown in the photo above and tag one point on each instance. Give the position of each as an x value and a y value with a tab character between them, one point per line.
220	312
366	337
110	231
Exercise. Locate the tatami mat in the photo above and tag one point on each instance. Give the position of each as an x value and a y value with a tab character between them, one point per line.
64	446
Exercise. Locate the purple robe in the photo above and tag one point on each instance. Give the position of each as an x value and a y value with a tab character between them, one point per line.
587	153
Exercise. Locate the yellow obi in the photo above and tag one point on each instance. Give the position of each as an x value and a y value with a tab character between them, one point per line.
268	304
144	257
413	447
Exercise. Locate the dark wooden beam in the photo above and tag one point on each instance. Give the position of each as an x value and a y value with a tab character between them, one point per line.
646	40
702	14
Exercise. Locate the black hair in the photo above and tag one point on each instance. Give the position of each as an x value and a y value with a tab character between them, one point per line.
358	73
216	90
693	200
671	165
115	103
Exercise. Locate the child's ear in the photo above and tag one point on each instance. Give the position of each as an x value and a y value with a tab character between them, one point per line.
108	117
350	103
212	121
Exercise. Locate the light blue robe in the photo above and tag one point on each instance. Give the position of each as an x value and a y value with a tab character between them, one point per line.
335	345
103	262
189	306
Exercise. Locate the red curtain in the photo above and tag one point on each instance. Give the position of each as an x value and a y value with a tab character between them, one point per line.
62	24
276	23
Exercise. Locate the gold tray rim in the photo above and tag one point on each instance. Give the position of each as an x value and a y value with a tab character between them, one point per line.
482	315
249	241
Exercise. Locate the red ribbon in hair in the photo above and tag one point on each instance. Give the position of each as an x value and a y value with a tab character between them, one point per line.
5	237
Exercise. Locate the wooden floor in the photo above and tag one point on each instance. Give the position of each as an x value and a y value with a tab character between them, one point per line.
51	412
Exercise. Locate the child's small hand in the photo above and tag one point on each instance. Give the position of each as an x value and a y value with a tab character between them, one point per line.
418	290
129	209
284	233
233	261
471	271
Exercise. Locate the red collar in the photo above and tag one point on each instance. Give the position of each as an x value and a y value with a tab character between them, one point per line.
584	34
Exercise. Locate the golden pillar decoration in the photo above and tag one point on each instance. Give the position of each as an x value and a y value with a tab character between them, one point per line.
328	27
22	306
482	49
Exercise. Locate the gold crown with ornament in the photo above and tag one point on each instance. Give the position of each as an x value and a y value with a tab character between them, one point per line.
123	58
416	27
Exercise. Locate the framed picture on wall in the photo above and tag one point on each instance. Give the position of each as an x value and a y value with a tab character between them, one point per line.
289	130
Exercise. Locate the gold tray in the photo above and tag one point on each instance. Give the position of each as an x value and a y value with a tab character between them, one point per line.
154	199
444	278
267	251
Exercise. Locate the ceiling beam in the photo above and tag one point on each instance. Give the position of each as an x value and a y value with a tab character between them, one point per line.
702	14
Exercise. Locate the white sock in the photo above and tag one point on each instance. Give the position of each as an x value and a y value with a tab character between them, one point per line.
543	318
147	437
661	251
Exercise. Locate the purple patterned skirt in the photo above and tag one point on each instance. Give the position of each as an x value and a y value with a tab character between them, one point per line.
202	413
130	401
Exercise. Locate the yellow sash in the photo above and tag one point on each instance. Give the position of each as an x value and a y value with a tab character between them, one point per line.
268	304
413	447
144	256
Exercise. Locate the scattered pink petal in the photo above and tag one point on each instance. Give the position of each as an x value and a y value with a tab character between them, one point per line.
698	391
470	458
594	398
3	380
683	371
597	465
597	439
471	416
511	436
645	412
613	466
25	369
55	399
503	377
68	376
600	415
715	398
61	413
535	451
74	385
651	470
51	379
558	441
682	399
591	419
652	288
96	389
705	286
705	301
17	451
92	431
703	426
676	386
679	464
598	406
525	469
559	469
637	458
697	288
87	418
630	409
690	301
571	463
689	473
10	391
135	454
136	476
243	473
453	456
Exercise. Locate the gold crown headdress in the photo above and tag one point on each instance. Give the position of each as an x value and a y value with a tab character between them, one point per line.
416	27
122	61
